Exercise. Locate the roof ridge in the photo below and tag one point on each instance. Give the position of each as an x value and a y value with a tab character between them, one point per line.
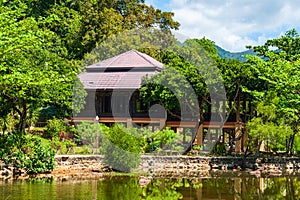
129	57
143	56
116	57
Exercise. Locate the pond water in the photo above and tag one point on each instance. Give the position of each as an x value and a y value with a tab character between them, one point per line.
127	187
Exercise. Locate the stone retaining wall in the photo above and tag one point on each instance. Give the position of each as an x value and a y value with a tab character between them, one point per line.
179	166
184	164
280	163
82	163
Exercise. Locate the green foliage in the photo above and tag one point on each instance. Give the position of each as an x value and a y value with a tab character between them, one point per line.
164	139
33	70
37	131
121	148
219	149
286	46
29	152
89	134
175	86
54	127
297	145
86	132
62	136
82	25
51	112
83	150
62	146
189	80
7	123
147	141
197	147
277	73
268	127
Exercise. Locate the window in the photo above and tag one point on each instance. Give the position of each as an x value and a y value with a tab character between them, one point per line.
119	104
106	104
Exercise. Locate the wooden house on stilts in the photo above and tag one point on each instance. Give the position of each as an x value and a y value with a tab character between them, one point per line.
113	96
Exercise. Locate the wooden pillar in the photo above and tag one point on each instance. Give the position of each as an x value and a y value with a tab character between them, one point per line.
200	135
162	123
238	143
129	122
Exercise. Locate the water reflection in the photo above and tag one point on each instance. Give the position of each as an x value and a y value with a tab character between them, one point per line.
126	187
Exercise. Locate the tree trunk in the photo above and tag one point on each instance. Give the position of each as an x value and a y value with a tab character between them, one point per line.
23	116
258	148
290	145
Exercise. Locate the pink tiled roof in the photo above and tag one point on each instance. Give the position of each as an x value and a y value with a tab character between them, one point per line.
132	59
113	80
137	65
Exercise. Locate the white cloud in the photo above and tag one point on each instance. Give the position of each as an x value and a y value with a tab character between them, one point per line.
233	24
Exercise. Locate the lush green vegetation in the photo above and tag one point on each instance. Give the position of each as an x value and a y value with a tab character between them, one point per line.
122	146
268	81
29	152
276	91
42	48
42	45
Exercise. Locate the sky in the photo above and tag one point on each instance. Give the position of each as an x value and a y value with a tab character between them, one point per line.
233	24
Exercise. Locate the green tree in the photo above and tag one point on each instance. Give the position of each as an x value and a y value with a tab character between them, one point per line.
277	70
190	83
268	127
189	73
33	73
83	25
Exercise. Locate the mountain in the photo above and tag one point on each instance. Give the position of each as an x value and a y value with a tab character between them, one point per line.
238	56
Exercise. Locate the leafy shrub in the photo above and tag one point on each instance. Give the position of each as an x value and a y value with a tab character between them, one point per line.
61	135
86	134
161	139
219	149
8	123
26	151
121	148
54	127
62	147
